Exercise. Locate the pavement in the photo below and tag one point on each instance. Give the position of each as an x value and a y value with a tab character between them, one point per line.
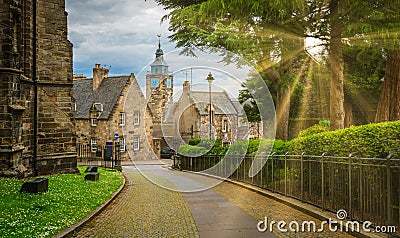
160	202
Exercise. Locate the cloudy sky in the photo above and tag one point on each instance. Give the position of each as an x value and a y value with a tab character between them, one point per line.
122	34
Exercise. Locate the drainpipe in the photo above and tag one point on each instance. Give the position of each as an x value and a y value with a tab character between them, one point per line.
35	83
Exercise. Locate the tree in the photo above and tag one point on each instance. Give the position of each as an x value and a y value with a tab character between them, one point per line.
246	33
389	102
256	28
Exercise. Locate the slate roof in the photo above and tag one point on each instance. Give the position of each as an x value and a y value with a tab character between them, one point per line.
221	101
107	94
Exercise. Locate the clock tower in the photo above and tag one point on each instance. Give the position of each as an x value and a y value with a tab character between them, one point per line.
159	92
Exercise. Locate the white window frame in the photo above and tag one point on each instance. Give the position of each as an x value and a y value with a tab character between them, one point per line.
136	118
99	106
122	146
136	143
225	126
93	145
94	121
122	118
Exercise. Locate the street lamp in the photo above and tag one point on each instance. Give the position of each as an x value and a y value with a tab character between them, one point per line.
210	78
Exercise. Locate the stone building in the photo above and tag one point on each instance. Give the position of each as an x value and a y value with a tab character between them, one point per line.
190	116
159	93
55	150
106	106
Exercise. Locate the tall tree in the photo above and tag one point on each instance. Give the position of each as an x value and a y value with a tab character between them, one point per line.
389	102
254	28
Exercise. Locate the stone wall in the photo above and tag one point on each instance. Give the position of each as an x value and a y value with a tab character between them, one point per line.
56	149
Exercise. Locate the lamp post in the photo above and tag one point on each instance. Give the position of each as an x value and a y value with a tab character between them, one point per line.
210	78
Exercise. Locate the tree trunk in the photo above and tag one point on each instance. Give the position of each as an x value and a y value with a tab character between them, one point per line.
348	108
337	66
389	102
282	112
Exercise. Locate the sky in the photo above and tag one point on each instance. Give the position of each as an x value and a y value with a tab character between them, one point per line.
122	35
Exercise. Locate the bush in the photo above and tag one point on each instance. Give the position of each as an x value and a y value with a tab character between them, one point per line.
192	150
212	146
312	130
372	140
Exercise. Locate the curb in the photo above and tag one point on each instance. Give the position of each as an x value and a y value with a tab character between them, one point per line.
291	202
69	232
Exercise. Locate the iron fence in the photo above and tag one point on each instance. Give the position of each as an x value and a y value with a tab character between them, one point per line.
87	156
367	188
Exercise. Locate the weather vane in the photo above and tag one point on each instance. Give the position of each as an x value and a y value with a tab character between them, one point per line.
159	40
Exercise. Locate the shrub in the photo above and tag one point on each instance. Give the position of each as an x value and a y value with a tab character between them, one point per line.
315	129
206	143
372	140
192	150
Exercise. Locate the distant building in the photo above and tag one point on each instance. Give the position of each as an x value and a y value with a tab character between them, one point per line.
56	152
101	113
190	116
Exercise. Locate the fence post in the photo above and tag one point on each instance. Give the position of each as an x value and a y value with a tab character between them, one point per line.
389	189
272	173
262	171
285	173
350	187
302	176
323	181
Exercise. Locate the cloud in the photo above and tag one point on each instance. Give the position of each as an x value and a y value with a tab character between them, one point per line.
117	33
122	34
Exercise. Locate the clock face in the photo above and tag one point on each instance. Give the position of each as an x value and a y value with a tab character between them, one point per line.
154	82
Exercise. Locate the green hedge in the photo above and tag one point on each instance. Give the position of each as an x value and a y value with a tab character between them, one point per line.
372	140
192	150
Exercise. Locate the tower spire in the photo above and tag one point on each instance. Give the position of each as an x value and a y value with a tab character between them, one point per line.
159	51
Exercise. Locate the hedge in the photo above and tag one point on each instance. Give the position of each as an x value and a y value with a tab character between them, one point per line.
372	140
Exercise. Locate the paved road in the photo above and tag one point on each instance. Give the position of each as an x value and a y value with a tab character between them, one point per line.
144	209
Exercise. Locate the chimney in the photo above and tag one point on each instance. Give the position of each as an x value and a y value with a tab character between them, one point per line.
99	74
186	87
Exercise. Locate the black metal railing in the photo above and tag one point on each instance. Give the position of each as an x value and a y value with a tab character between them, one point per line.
87	155
367	188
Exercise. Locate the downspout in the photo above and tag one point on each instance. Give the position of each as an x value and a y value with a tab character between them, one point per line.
35	83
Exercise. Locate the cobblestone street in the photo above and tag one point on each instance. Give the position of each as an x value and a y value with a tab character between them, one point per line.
144	209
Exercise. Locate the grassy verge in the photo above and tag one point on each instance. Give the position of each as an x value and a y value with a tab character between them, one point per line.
69	199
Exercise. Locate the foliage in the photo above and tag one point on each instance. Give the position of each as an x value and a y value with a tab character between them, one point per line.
315	129
192	150
212	146
325	123
70	198
372	140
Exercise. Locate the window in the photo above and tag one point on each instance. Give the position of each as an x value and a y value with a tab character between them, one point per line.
225	126
122	147
136	118
122	118
94	121
93	144
98	106
136	143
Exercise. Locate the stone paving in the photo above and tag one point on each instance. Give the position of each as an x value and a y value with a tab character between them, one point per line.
143	210
260	206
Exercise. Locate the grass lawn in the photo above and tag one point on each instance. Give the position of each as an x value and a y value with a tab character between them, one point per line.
69	199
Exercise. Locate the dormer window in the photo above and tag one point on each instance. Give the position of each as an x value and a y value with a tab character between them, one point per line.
98	106
94	121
